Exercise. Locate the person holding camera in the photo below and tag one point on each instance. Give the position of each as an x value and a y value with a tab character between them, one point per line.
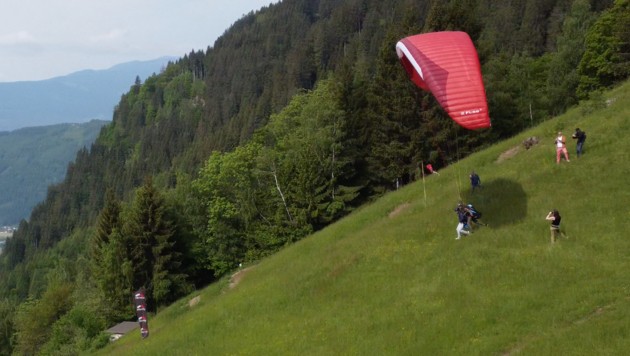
555	218
580	136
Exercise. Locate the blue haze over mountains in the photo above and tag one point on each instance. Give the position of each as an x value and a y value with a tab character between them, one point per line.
43	124
74	98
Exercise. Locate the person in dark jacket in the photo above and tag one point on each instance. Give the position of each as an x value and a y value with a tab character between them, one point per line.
475	181
462	220
580	136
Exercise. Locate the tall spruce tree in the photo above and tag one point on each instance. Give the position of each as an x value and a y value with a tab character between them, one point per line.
150	236
113	277
392	115
109	262
563	76
108	220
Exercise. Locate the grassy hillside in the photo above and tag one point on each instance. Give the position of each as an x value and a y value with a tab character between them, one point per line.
392	279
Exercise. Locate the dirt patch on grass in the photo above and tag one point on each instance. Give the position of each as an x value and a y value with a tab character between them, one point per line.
236	278
527	144
399	209
509	154
194	301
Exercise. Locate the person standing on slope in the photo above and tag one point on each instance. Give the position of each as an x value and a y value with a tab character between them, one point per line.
475	181
561	148
555	218
580	136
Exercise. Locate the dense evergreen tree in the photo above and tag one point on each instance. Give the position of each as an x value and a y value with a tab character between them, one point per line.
7	311
606	60
563	76
113	272
392	119
308	140
108	221
150	241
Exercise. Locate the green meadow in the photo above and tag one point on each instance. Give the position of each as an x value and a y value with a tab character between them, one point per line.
390	279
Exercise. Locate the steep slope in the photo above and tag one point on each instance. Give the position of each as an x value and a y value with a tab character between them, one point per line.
391	278
168	126
214	101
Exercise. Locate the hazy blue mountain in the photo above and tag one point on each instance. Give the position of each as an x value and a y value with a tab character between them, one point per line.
78	97
33	158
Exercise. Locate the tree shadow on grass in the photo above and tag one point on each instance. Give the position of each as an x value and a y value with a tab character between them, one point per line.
501	201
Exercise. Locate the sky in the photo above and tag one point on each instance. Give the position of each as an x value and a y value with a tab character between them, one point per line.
42	39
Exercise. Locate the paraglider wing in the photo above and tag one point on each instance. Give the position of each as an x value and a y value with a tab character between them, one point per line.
446	64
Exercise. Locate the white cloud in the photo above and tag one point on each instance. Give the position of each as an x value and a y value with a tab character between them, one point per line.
16	38
40	39
112	35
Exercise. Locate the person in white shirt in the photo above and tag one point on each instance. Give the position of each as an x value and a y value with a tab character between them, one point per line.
561	148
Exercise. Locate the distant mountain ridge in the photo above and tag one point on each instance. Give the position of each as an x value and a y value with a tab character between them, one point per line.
74	98
33	158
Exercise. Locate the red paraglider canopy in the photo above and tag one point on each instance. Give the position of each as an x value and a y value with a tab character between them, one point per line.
446	64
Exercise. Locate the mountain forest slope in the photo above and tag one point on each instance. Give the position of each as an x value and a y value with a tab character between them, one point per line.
74	98
299	115
34	158
390	279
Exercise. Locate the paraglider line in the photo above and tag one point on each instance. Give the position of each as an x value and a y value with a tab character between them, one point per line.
459	185
424	187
